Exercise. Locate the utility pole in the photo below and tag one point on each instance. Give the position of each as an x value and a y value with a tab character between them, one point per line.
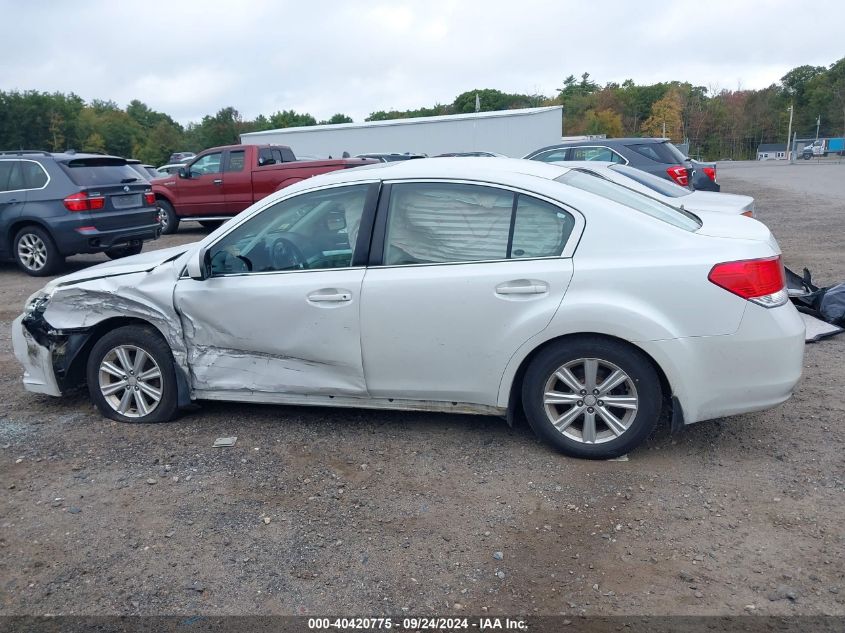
789	134
818	123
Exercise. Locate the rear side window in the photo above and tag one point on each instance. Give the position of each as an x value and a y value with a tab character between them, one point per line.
552	155
91	172
594	153
633	199
236	161
430	223
655	183
10	175
659	152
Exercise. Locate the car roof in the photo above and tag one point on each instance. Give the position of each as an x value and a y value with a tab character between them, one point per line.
75	155
508	171
608	142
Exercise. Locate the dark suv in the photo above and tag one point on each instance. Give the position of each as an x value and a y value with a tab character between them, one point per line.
654	155
55	205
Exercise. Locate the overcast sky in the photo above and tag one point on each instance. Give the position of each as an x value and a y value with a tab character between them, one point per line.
190	58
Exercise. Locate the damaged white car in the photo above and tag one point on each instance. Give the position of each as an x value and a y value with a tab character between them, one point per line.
452	284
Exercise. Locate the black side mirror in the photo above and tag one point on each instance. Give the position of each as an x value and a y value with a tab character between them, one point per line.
184	173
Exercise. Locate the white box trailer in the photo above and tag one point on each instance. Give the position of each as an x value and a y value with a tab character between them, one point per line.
513	133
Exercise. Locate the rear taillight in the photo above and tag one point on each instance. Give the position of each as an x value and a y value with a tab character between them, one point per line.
679	174
748	214
83	202
149	198
761	281
711	172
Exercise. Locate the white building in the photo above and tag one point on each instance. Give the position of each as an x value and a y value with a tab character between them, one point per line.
514	133
771	151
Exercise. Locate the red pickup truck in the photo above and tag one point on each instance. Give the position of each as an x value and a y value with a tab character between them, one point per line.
223	181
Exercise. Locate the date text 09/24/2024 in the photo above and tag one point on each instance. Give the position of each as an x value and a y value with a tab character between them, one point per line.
417	624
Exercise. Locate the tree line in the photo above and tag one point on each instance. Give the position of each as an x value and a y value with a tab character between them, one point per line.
717	123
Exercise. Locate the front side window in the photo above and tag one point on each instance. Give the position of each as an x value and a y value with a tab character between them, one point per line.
208	164
315	230
432	223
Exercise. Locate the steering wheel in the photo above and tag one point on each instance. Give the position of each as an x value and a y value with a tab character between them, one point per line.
286	255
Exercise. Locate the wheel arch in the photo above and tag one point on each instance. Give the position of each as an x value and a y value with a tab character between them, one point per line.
513	390
22	222
71	372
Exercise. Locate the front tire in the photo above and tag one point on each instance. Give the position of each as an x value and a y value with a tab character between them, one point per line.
35	252
592	397
169	219
132	377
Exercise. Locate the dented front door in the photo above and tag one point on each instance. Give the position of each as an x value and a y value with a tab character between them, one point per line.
291	332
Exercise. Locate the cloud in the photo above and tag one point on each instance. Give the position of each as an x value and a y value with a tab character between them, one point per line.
193	58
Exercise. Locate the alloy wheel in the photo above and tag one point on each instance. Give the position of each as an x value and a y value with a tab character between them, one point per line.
130	381
590	400
32	251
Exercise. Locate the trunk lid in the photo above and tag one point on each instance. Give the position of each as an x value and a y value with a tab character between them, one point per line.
739	227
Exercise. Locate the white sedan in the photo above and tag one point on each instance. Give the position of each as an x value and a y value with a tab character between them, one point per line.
470	285
665	190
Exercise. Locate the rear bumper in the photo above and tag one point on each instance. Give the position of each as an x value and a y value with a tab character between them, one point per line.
754	369
72	241
38	375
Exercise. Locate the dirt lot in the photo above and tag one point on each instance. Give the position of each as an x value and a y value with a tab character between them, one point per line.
395	513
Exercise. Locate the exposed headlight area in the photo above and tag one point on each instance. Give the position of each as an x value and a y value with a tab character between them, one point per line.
37	303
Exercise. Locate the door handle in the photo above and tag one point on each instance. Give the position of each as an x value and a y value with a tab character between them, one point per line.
217	181
522	287
330	296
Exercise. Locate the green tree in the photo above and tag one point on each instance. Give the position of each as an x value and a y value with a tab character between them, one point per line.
291	118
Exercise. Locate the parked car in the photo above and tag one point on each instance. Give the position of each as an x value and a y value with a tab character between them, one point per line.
655	155
167	170
147	172
221	182
666	191
471	154
56	205
467	285
389	157
180	157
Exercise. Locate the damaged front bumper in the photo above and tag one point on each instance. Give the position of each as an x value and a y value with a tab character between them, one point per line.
37	360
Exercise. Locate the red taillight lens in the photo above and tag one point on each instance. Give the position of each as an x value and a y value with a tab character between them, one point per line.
711	172
679	174
83	202
150	198
758	280
748	214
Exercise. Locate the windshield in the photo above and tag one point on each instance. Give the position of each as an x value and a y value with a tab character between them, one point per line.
655	183
593	183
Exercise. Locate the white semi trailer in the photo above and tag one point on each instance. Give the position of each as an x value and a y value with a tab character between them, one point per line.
513	133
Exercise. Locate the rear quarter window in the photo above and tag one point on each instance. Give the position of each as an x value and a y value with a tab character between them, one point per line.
89	172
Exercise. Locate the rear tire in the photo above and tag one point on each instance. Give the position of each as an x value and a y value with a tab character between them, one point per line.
132	377
117	252
168	217
35	252
592	397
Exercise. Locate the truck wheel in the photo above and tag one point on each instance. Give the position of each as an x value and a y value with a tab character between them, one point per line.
167	216
36	252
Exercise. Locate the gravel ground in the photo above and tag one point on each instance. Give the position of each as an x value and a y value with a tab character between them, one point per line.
319	511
